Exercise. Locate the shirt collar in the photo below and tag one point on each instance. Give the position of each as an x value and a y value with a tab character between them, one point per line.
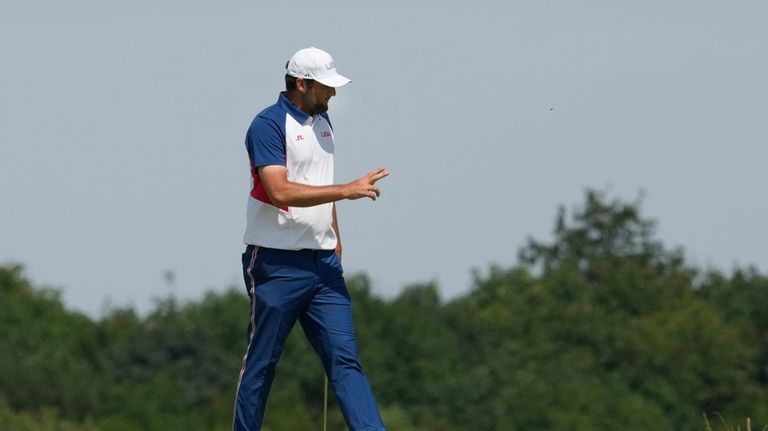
299	115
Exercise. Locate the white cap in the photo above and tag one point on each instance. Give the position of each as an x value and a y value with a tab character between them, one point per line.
314	63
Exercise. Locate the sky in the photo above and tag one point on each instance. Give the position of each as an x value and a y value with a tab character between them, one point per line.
122	127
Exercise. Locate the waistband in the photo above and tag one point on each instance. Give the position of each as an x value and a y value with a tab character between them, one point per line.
250	247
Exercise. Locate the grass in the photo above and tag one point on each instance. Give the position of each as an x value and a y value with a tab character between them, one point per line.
727	426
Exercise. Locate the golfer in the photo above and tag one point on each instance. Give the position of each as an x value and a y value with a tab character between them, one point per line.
292	261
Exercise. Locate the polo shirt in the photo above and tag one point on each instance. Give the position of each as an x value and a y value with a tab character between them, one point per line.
283	135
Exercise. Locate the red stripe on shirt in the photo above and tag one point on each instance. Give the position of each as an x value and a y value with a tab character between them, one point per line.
258	191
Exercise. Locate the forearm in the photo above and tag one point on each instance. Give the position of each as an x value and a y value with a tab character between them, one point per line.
301	195
285	193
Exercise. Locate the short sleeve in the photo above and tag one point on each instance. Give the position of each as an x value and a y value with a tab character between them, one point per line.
265	143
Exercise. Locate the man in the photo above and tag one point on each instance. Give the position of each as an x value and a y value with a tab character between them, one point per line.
292	262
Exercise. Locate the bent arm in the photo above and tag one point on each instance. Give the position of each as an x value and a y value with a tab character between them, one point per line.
283	192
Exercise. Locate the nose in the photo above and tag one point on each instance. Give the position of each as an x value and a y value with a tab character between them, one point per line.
333	91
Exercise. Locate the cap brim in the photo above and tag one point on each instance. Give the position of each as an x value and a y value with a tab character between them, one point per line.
334	81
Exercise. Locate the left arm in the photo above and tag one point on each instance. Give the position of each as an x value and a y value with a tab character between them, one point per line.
336	229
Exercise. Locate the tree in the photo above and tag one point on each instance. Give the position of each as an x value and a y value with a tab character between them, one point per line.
601	327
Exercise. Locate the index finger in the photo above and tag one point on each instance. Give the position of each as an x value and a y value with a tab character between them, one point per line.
378	174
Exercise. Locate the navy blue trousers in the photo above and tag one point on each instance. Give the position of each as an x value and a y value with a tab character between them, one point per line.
305	285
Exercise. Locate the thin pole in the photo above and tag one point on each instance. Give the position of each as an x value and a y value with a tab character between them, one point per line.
325	404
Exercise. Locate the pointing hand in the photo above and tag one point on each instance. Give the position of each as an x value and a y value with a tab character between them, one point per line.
366	186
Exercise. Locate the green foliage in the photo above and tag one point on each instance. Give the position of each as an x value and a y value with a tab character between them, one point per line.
39	340
45	419
601	328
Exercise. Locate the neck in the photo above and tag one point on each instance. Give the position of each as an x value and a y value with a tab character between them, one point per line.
295	98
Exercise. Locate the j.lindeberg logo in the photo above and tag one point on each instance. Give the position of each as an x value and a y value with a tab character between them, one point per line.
329	66
326	134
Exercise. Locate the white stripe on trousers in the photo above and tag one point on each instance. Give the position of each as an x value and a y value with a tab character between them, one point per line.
253	329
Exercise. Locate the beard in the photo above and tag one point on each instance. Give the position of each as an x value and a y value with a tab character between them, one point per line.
320	108
315	106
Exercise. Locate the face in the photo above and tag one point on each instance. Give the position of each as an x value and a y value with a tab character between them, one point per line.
315	98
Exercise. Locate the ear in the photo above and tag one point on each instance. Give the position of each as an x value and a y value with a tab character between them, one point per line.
301	85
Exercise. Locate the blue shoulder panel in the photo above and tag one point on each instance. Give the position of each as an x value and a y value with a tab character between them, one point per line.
265	140
327	118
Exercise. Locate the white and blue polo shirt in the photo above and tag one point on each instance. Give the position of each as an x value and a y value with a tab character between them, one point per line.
284	135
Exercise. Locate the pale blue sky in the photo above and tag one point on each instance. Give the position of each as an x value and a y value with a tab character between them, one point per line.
122	124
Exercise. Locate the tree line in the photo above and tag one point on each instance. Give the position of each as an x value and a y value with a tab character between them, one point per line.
603	327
